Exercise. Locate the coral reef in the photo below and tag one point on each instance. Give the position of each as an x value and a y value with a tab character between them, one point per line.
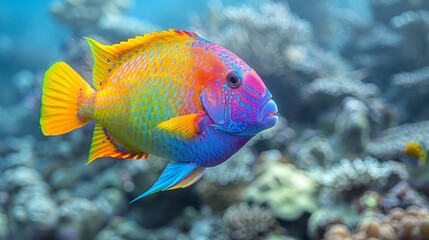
351	79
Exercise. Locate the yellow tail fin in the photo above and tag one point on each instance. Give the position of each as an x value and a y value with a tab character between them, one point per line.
62	94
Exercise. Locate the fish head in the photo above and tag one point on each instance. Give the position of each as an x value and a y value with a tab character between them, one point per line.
236	98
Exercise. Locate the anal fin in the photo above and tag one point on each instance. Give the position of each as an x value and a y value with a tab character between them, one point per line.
175	175
101	146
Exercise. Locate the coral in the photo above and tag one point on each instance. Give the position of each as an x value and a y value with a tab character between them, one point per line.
350	178
338	232
17	152
18	120
277	137
238	169
411	19
418	80
413	223
244	221
85	13
378	49
32	213
312	151
369	204
116	27
402	195
100	17
352	124
111	201
79	217
246	31
329	89
390	144
222	185
414	27
341	77
66	177
287	191
321	219
4	231
14	179
122	229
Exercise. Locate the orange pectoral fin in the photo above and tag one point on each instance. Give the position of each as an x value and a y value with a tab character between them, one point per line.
102	147
185	126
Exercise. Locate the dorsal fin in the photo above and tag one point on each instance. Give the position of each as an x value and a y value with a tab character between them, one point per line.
102	147
108	57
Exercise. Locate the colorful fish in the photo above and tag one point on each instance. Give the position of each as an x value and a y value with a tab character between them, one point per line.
171	94
413	154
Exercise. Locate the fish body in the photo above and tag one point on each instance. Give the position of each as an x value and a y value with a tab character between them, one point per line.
171	94
413	154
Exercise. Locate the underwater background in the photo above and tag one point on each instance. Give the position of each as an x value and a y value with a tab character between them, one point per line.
347	160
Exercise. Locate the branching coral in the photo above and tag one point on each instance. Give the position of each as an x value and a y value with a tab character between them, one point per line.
339	87
418	79
244	221
350	174
409	18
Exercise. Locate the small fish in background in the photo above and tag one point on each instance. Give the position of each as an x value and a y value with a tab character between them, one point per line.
413	154
171	94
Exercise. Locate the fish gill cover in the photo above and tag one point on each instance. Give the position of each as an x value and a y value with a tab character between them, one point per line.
350	79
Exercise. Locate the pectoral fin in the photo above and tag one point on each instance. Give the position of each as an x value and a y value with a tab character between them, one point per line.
175	175
185	126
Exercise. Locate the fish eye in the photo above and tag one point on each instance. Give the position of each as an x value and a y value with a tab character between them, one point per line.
233	80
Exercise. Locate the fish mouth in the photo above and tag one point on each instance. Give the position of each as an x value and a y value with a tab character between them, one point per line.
267	114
